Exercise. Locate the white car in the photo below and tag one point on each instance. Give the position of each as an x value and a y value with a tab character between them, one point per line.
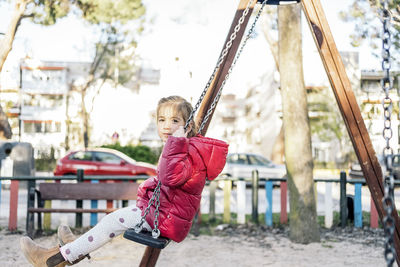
241	165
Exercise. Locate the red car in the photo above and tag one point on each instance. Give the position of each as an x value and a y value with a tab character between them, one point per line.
102	161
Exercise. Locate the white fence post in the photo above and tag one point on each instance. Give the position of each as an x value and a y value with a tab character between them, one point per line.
328	205
241	201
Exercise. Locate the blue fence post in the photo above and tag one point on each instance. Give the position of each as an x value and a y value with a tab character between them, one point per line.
268	212
357	206
94	204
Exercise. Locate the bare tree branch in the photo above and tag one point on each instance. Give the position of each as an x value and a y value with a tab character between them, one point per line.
7	41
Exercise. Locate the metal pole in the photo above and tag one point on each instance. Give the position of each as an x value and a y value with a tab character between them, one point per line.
212	188
79	203
254	197
30	203
343	200
20	103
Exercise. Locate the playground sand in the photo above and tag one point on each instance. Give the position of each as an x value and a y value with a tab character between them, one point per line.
230	246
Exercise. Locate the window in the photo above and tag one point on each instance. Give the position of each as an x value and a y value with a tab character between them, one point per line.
396	161
257	160
238	159
81	155
42	126
107	158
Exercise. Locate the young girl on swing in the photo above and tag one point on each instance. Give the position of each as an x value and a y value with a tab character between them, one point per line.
186	161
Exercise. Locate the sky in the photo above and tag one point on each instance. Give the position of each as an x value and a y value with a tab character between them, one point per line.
194	32
71	40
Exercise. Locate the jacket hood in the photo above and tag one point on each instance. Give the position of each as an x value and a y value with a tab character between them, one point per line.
213	152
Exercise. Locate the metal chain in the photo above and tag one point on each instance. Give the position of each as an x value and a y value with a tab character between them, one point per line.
215	101
138	227
156	194
219	62
387	103
156	232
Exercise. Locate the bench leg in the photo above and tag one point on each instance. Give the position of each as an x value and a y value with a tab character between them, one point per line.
150	257
30	217
30	224
39	222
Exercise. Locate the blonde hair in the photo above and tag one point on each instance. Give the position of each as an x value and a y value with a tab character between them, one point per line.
180	106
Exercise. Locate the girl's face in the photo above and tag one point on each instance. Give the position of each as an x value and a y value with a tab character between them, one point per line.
168	121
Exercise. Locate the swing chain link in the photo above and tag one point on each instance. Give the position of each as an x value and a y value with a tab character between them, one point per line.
219	62
156	232
156	195
387	103
215	101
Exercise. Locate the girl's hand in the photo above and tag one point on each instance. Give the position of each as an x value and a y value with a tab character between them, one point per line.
180	132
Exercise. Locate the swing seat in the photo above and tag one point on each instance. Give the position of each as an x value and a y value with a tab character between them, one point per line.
145	238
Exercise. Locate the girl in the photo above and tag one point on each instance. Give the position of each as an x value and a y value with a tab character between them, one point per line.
185	163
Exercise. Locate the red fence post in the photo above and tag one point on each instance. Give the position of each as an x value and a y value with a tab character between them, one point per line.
373	215
284	217
12	221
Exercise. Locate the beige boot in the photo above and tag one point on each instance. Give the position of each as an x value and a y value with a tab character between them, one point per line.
39	256
65	235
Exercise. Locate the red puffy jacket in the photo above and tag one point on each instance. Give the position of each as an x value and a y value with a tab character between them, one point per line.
183	168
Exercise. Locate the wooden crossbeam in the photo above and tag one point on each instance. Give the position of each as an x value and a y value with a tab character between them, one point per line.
348	107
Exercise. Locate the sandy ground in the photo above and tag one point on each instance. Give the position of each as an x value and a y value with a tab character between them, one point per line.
224	249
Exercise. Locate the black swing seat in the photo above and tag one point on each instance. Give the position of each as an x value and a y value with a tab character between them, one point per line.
145	238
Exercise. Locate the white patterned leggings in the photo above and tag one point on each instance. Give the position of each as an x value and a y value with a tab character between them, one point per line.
109	227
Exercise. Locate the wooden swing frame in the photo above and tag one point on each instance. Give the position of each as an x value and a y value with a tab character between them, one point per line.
344	95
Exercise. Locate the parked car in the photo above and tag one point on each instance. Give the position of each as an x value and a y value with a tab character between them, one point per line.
241	165
355	171
102	161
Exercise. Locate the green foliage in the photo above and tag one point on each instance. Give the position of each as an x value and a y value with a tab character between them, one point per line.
46	161
139	153
366	15
47	12
107	11
327	124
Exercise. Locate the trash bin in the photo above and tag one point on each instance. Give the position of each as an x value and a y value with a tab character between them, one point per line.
19	157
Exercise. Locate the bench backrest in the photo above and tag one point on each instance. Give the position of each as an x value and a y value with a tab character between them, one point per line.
83	191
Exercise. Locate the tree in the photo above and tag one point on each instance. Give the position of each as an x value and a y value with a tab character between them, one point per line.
368	28
327	123
299	162
114	61
269	22
47	12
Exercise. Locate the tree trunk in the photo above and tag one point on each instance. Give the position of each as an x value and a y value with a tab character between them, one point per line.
7	41
85	119
278	151
5	48
68	119
299	163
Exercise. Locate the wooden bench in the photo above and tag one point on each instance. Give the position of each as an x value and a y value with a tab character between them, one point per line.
74	191
83	191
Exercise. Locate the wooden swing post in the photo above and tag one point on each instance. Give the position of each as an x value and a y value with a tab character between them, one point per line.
151	255
226	63
349	108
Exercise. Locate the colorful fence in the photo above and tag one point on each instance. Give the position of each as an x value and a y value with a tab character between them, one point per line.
267	184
